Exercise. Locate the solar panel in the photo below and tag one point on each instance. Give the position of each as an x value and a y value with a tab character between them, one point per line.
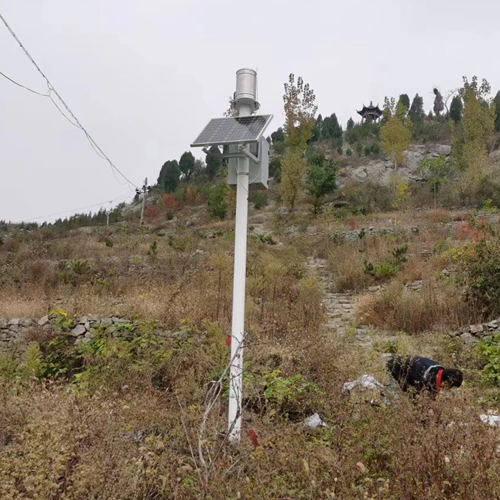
233	130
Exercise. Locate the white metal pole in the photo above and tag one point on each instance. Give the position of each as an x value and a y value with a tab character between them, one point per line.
239	282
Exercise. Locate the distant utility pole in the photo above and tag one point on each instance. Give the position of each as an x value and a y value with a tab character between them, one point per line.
144	191
107	217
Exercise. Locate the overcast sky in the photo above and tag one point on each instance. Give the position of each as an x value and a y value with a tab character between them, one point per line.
144	77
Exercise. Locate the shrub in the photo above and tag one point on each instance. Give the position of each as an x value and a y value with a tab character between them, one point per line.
489	349
481	267
151	213
367	151
259	199
217	201
348	152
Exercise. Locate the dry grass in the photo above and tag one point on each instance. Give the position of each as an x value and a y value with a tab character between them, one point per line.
400	309
130	438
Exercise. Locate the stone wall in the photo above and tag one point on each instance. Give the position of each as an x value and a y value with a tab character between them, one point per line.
473	333
13	330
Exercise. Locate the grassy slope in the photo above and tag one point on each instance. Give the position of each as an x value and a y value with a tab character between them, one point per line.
132	428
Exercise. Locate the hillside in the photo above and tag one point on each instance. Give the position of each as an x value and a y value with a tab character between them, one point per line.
376	240
112	413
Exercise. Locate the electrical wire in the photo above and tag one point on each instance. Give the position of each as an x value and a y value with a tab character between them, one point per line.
51	89
23	86
76	209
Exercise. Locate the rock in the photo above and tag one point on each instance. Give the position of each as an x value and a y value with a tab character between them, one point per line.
4	323
476	329
493	325
442	149
364	383
83	320
106	321
43	321
78	330
93	318
445	272
314	421
26	322
373	289
469	339
87	326
14	322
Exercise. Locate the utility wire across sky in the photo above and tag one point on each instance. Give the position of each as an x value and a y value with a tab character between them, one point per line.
122	197
51	89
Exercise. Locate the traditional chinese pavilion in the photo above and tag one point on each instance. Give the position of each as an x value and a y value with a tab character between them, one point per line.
371	112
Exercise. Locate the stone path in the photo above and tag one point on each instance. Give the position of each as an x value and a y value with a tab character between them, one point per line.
339	307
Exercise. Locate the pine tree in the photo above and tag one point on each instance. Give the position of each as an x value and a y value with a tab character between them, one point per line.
417	112
405	100
438	103
321	180
169	176
456	108
497	104
213	161
186	164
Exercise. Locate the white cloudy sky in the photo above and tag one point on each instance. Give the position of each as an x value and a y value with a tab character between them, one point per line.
145	76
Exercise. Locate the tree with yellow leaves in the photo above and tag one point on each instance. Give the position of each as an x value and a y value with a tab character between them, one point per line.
471	136
300	112
395	133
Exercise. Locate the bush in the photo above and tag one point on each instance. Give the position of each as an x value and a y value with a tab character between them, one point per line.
348	152
489	349
217	201
481	266
367	151
259	199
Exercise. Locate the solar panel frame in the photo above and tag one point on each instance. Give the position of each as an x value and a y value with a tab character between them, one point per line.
231	130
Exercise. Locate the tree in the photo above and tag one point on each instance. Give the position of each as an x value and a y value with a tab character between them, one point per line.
317	134
350	124
231	110
187	164
478	123
278	136
217	201
331	130
293	167
436	170
497	104
213	161
321	179
300	112
395	133
169	176
417	112
438	103
404	100
456	109
471	137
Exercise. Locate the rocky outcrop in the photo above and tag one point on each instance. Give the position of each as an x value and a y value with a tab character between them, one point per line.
380	171
473	333
14	332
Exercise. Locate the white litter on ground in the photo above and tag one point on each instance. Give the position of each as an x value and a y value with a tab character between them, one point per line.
314	421
364	383
491	420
